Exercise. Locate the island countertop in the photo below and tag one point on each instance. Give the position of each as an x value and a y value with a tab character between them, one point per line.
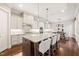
37	37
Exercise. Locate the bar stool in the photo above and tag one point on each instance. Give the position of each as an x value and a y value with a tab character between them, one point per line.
54	45
44	46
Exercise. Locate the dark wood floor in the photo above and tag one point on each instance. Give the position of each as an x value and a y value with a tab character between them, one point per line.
12	51
68	47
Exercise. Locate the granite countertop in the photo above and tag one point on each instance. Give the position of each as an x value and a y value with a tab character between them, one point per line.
37	37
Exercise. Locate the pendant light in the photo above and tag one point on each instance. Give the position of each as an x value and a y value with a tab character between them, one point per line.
47	13
38	11
47	17
36	30
46	30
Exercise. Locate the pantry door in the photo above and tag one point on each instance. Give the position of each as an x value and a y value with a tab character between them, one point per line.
3	30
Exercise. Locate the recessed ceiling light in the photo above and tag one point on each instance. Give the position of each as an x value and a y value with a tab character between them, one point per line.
20	5
62	10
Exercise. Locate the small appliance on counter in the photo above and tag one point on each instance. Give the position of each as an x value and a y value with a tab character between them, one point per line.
41	30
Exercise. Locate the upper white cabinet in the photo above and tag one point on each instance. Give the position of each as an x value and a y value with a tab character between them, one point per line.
35	25
47	25
16	21
41	24
28	22
20	22
28	19
13	21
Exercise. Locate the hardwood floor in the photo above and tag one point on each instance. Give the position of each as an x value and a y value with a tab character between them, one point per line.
67	48
12	51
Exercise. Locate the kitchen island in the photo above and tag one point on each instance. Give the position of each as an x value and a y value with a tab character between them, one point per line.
31	43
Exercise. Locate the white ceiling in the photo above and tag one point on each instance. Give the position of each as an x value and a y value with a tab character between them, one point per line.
54	12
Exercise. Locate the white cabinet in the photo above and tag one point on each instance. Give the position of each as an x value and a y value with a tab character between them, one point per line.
47	25
20	21
13	22
28	19
16	23
37	24
41	24
28	22
34	26
3	29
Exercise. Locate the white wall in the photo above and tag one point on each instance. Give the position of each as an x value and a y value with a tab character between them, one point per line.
69	28
77	28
